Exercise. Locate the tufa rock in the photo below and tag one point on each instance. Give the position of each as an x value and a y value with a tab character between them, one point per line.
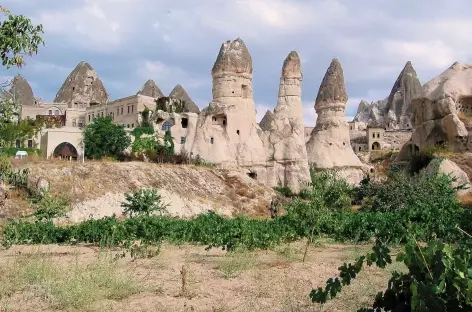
286	139
398	108
227	132
266	120
151	89
233	58
179	93
441	108
82	88
42	186
21	92
332	89
329	146
3	195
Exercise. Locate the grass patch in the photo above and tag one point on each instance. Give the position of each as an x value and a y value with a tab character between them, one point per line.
234	263
71	286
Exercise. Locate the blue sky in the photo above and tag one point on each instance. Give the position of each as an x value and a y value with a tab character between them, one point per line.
176	42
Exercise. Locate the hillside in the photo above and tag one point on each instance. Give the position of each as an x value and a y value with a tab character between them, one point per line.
97	188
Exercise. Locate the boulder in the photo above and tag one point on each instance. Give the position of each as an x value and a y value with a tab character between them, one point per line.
42	186
450	168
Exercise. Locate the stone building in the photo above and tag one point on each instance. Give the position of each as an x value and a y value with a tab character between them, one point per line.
375	138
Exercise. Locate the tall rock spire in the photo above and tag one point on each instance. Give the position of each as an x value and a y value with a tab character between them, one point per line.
179	93
227	131
398	108
82	88
21	91
329	146
286	140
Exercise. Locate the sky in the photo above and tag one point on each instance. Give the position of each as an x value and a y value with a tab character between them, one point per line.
176	42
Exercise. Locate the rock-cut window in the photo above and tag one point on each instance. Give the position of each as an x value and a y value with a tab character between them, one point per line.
167	125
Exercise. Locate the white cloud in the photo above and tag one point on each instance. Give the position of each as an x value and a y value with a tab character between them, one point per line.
167	76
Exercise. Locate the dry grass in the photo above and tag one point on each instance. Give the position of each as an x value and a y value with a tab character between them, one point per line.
82	279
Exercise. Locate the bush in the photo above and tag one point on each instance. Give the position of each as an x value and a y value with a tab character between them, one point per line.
420	161
17	178
103	138
50	207
139	131
143	202
11	151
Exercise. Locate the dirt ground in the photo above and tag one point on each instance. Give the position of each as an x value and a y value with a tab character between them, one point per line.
81	278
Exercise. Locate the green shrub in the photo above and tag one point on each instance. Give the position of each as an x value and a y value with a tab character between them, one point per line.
17	178
139	131
104	138
143	202
11	151
50	207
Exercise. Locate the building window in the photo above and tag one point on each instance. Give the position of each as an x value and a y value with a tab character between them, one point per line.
378	134
182	140
30	143
211	140
167	125
127	126
184	122
132	108
132	125
74	123
122	111
373	135
81	123
56	113
128	109
237	131
50	112
93	116
117	112
102	114
89	117
17	143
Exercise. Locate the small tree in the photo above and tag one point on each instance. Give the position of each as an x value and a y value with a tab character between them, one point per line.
18	37
103	138
143	202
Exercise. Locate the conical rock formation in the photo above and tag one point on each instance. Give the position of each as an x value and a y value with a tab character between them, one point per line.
227	132
21	92
82	88
266	120
329	146
179	93
398	108
151	89
286	139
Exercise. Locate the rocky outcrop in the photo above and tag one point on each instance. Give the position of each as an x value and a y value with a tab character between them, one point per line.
442	109
266	120
398	108
82	88
151	89
329	146
450	168
227	132
21	92
394	112
179	93
286	139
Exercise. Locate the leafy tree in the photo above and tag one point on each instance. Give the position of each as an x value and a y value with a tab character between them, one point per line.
18	37
143	202
103	138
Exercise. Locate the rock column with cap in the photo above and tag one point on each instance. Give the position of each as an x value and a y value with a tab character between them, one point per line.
286	139
329	145
227	132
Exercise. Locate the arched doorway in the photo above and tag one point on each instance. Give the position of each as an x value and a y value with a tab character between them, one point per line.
375	146
65	150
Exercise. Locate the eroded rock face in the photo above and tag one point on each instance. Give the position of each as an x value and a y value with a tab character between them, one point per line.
82	88
329	146
286	139
393	112
266	120
151	89
227	132
179	93
441	108
398	107
21	91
